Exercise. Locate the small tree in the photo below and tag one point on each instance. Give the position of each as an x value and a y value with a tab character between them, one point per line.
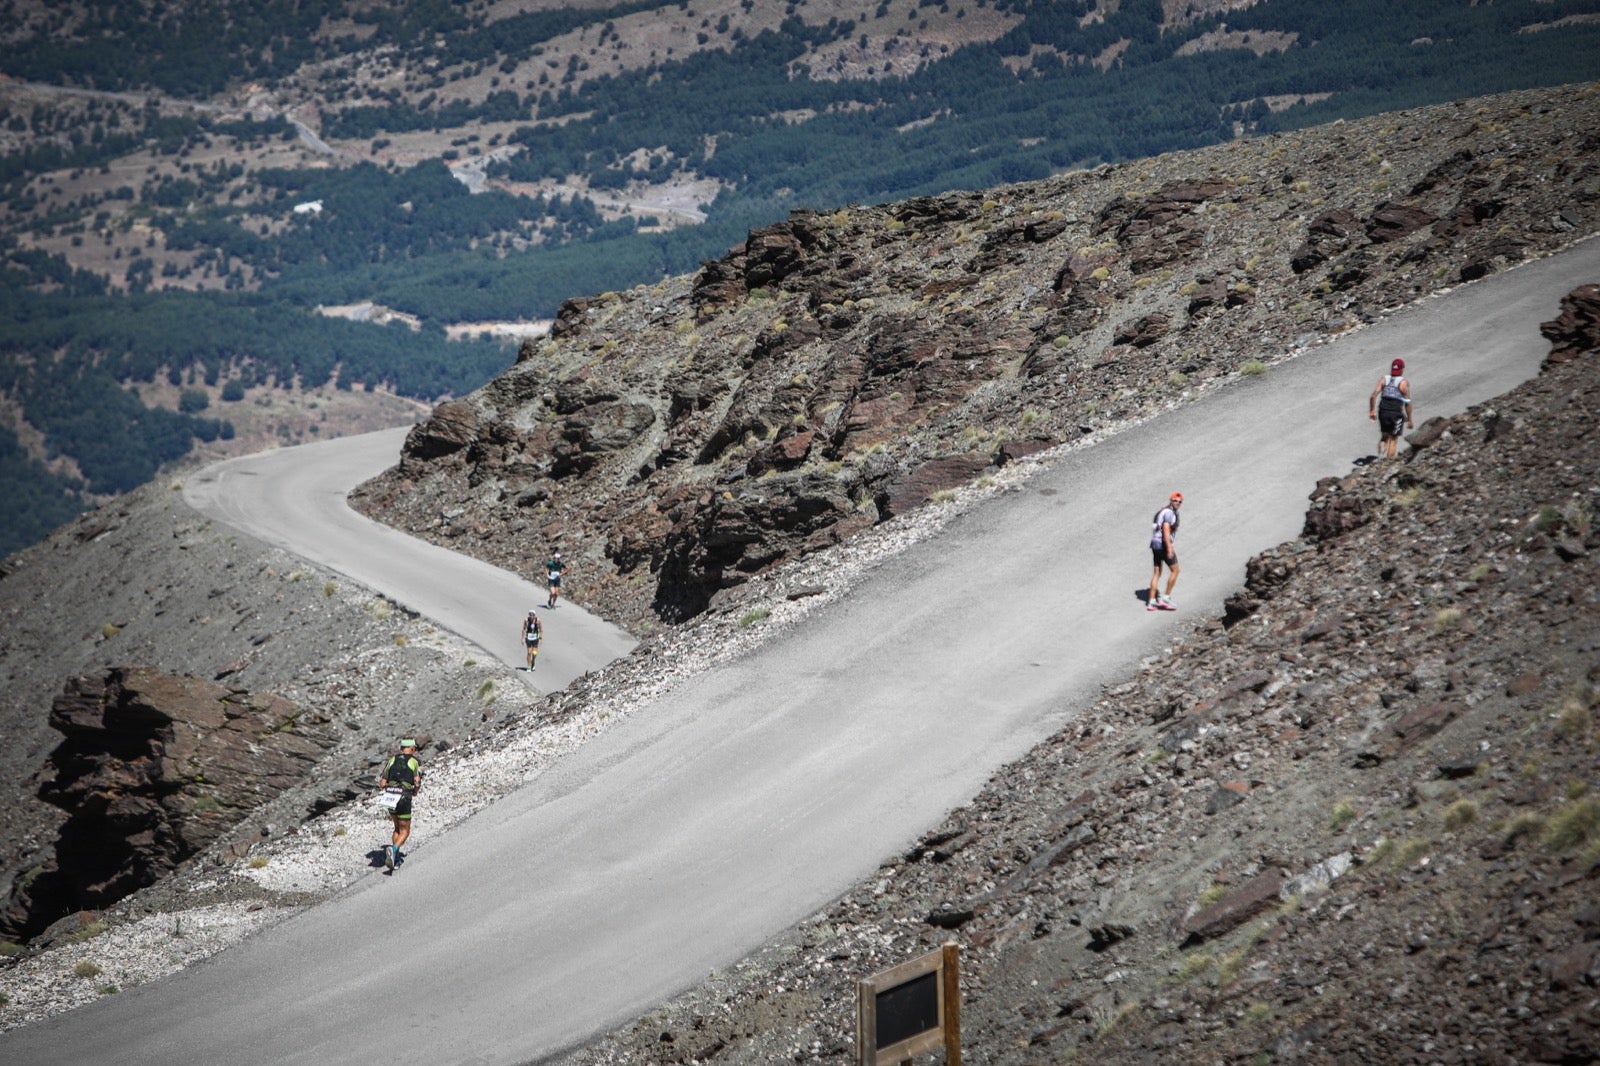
193	401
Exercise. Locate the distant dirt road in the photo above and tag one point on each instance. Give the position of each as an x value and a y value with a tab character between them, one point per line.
709	821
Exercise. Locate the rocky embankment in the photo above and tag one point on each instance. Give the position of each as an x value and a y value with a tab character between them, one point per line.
841	368
1355	820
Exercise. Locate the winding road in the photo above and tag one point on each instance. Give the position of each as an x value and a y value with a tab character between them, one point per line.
745	801
294	498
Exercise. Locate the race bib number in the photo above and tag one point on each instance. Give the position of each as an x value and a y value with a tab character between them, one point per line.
389	799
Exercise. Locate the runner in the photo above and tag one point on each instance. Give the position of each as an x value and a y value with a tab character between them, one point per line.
552	569
1390	407
532	630
1164	549
401	778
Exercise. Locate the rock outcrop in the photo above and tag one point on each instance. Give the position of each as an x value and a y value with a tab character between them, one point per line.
154	768
1576	330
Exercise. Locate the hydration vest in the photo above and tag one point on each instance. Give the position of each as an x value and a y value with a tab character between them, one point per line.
402	771
1155	527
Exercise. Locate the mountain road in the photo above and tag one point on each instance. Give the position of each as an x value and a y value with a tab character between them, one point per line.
747	799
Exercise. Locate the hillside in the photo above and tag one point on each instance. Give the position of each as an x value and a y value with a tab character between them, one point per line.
183	188
1441	732
841	368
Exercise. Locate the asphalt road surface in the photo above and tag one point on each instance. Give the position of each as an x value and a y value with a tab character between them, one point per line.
711	820
295	498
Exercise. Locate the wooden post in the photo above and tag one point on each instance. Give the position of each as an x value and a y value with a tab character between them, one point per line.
952	1004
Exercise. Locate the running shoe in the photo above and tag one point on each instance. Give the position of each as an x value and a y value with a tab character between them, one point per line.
388	856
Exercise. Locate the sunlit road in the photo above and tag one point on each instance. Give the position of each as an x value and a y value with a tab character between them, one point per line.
295	498
714	818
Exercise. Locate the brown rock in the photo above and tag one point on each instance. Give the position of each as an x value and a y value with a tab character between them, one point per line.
1206	294
1523	684
1429	433
1424	721
1335	517
1393	222
1143	332
1573	967
452	426
937	475
154	768
570	321
1577	329
1233	910
785	453
1012	450
720	284
1328	235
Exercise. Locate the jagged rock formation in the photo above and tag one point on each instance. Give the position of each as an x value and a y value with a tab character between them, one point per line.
1577	329
154	768
837	369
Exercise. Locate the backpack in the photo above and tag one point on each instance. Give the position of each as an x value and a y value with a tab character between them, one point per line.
402	771
1155	526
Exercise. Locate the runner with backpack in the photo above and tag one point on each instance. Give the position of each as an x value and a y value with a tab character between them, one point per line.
1390	407
552	570
1164	550
400	779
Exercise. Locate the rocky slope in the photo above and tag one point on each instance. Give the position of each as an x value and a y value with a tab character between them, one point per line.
841	368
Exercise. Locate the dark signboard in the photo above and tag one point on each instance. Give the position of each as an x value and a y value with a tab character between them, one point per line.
910	1009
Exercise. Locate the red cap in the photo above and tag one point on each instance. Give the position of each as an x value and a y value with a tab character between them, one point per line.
1176	496
1397	367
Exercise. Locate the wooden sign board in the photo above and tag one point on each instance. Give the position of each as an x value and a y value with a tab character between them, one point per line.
911	1009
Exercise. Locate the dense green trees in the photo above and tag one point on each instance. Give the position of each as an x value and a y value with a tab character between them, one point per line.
193	50
133	338
36	500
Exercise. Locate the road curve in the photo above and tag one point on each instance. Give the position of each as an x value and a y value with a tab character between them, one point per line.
295	498
711	820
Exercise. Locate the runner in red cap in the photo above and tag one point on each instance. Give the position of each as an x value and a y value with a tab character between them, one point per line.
1164	550
1390	407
